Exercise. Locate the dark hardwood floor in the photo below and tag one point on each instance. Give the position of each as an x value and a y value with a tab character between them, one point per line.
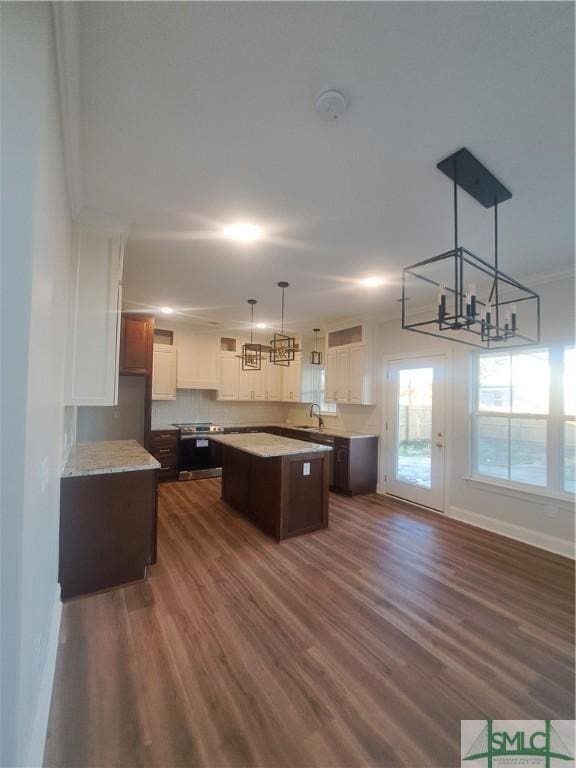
362	645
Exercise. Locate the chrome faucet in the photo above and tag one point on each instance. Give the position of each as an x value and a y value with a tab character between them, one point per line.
320	419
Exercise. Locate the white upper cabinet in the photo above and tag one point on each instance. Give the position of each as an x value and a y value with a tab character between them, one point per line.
349	364
273	376
252	384
343	376
197	359
164	372
331	382
356	375
93	344
229	377
292	381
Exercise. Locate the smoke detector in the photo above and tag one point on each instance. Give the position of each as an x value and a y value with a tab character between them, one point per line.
330	105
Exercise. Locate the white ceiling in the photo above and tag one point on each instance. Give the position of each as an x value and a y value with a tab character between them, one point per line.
194	115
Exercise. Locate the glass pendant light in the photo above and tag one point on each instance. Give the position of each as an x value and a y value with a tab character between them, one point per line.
251	353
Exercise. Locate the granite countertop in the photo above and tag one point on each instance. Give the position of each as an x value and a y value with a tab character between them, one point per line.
329	431
332	432
108	456
265	445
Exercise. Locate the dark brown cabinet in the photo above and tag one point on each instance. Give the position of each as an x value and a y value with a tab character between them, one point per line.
164	447
356	465
136	345
354	461
285	496
341	479
107	530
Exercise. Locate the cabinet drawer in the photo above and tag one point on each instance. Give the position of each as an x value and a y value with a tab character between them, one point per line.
160	439
164	453
168	469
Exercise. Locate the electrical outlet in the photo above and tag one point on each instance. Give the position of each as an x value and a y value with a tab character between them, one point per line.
44	473
306	468
117	412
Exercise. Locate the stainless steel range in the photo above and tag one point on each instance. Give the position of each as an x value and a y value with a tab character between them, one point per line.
198	456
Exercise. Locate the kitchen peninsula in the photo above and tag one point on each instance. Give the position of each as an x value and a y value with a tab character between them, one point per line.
108	505
280	484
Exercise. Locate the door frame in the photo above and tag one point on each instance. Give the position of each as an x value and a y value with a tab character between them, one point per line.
399	357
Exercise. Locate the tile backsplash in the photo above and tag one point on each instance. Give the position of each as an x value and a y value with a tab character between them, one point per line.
202	405
353	418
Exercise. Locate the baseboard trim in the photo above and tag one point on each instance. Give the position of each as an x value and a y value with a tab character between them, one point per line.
40	724
502	528
512	531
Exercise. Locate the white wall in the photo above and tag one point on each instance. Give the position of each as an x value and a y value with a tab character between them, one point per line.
124	421
540	521
36	242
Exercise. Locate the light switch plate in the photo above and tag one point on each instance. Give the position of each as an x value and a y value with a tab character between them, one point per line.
306	468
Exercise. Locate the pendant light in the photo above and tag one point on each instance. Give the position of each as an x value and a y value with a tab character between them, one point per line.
251	353
316	355
282	347
474	302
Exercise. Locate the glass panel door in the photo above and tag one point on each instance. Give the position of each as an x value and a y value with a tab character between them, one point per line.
415	434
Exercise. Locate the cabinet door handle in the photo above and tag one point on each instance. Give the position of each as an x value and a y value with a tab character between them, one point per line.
164	450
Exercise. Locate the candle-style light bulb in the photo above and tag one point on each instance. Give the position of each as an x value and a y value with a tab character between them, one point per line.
472	292
442	303
513	318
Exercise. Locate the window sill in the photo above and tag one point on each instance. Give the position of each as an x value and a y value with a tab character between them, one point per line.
519	491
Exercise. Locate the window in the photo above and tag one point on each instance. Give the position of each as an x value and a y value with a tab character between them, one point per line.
525	417
321	390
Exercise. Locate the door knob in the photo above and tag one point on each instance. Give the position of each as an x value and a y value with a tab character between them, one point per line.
439	445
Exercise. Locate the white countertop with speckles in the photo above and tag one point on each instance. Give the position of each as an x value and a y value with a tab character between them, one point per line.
106	457
265	445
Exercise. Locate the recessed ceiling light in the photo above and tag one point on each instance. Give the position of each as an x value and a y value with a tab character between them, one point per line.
167	310
372	282
260	325
242	232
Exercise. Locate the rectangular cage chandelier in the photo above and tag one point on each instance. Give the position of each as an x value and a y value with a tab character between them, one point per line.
282	347
251	352
473	301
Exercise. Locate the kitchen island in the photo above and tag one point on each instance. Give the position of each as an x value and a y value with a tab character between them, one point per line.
280	484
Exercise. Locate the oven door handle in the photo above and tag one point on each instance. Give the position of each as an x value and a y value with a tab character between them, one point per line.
196	436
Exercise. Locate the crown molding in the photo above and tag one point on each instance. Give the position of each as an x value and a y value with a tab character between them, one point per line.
66	32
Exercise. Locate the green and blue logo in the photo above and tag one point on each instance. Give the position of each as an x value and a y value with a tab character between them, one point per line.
538	741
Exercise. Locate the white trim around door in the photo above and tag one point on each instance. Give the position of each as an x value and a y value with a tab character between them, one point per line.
415	429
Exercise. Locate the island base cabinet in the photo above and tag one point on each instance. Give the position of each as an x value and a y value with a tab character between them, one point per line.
107	530
285	496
